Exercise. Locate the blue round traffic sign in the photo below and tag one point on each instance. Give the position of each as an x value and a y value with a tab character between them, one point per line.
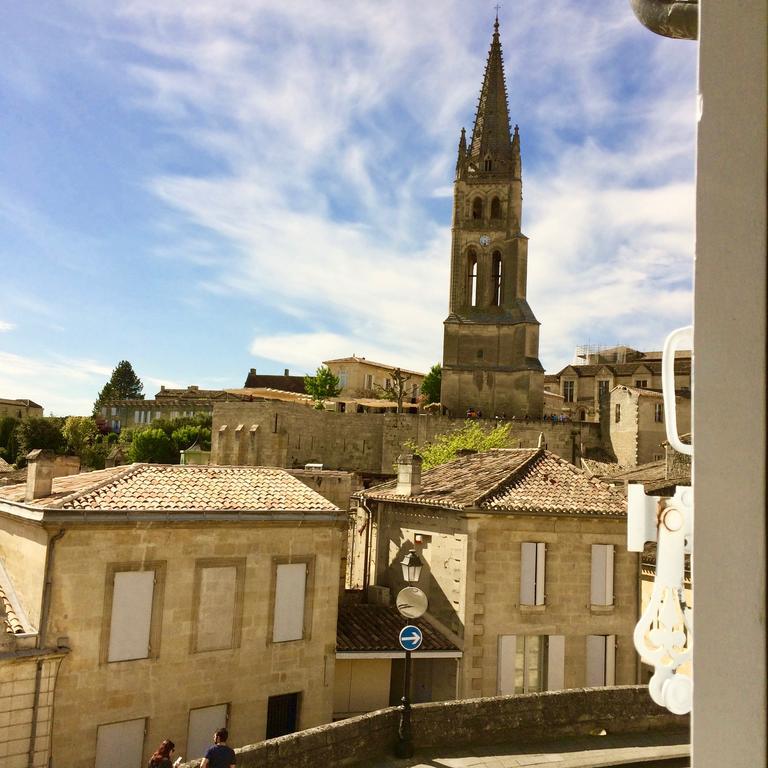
410	637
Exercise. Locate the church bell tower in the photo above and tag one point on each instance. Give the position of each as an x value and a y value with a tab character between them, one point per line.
491	337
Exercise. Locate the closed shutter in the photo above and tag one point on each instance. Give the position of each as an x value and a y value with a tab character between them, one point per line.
602	574
290	588
120	745
202	723
532	571
131	620
506	664
601	660
216	611
556	663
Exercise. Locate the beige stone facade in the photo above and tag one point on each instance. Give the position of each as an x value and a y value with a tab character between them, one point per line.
470	524
19	409
220	632
636	423
491	337
362	378
287	435
584	385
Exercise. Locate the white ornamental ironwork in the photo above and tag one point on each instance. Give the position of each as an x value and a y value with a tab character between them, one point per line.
664	635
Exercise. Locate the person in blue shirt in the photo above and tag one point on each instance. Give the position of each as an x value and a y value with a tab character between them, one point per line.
219	755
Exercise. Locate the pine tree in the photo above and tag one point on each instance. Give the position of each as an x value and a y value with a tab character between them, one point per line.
124	384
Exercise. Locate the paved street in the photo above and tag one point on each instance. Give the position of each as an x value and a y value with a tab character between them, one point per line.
645	750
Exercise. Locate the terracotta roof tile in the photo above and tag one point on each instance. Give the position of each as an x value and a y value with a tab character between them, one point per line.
377	627
9	621
510	480
180	488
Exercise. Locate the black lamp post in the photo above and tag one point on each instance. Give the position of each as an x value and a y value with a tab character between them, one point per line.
411	565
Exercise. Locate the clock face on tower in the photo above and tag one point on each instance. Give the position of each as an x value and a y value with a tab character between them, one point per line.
485	240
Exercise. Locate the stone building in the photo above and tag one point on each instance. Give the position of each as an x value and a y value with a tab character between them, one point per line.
491	337
525	568
636	423
185	597
19	408
167	404
584	385
364	378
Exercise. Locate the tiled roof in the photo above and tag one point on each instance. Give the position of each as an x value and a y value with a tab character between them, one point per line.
153	487
19	401
682	366
377	627
365	361
602	469
510	480
643	473
9	621
275	381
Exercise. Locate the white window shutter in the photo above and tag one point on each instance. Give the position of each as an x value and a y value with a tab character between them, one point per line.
131	615
556	663
202	723
120	745
595	660
290	587
506	663
610	660
602	574
527	573
541	550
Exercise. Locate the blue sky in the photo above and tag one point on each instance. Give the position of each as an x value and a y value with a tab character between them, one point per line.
206	186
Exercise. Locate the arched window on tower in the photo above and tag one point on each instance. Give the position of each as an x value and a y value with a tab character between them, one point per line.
488	164
495	208
477	209
472	278
496	278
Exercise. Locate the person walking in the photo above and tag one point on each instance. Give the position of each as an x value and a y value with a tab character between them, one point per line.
161	758
219	755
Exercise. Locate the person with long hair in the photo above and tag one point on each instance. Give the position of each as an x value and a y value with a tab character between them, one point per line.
161	757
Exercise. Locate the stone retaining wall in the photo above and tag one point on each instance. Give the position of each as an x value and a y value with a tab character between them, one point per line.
527	718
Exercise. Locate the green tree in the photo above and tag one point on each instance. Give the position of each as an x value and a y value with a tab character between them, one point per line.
471	436
38	432
7	436
322	385
430	387
153	446
79	432
188	434
124	384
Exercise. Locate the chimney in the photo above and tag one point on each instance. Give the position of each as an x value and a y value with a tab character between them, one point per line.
285	372
408	474
193	388
39	474
253	371
162	387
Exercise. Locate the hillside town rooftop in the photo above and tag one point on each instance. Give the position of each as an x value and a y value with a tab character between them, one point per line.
157	487
525	480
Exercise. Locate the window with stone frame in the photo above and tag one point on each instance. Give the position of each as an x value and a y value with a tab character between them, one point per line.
601	660
495	209
617	413
496	279
218	599
641	383
477	209
658	413
602	389
532	573
601	582
472	278
569	391
133	611
292	598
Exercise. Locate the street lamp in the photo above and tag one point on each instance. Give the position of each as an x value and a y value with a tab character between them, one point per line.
411	565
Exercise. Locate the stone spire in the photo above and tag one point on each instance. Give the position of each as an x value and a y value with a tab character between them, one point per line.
461	161
490	136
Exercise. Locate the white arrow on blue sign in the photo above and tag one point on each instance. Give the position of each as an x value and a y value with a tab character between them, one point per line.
410	637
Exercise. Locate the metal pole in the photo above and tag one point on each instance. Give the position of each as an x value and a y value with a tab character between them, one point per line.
404	739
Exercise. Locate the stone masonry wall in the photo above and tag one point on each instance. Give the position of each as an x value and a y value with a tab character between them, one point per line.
357	741
288	435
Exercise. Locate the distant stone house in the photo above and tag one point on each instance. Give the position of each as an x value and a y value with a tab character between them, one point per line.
180	598
167	404
362	378
635	422
585	386
19	408
525	568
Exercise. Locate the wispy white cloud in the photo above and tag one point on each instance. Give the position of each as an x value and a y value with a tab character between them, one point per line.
6	326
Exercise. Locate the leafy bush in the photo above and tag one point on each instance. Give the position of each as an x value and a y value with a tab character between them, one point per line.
153	446
471	436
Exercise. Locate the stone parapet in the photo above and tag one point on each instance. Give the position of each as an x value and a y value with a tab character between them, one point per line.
521	719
